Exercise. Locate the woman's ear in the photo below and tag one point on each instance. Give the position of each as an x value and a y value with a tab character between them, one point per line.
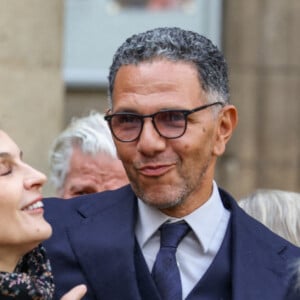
227	121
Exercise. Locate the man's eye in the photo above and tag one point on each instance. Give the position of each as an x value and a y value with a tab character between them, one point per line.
78	193
170	116
127	119
176	116
84	192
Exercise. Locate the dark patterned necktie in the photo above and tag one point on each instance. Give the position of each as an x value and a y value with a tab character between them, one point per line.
165	271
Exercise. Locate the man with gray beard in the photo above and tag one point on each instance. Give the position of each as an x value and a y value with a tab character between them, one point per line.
172	233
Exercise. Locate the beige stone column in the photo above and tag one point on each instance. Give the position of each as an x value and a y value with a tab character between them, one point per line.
262	48
31	87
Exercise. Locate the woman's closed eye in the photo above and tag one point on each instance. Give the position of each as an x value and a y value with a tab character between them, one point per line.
5	168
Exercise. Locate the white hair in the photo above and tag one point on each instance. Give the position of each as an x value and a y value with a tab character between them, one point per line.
278	210
90	134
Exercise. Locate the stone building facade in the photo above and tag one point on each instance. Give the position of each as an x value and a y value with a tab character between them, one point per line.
261	45
31	86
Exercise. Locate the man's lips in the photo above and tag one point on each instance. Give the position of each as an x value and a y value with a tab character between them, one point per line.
154	170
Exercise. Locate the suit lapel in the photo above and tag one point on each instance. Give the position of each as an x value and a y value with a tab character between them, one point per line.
109	266
147	288
258	268
257	262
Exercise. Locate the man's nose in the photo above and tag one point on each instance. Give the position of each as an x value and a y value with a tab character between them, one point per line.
150	141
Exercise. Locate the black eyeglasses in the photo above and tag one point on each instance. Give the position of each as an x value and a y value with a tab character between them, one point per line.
170	124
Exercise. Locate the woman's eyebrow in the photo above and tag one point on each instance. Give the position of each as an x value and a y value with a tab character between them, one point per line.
8	155
5	155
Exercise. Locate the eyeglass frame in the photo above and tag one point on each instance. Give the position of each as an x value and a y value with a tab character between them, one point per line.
185	112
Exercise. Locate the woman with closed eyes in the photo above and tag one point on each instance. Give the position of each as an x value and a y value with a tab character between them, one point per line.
25	271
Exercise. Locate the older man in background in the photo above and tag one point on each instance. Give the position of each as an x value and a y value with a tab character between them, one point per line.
83	159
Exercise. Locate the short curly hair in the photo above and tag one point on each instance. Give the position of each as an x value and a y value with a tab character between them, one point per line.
175	44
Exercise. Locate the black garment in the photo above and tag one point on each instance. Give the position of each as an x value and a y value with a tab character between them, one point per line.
31	280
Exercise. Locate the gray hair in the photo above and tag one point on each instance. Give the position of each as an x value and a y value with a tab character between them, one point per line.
276	209
176	44
91	134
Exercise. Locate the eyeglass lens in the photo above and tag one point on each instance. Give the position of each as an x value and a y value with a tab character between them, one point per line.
170	124
127	127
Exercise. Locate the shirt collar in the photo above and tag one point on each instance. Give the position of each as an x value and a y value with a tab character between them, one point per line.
204	221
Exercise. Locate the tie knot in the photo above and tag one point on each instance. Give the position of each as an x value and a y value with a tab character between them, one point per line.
172	233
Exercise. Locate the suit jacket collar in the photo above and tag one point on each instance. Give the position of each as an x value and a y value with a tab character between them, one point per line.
259	264
110	268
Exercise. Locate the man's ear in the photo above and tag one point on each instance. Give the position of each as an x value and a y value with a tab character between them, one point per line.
227	121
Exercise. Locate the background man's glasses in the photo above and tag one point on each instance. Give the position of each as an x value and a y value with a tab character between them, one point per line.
170	124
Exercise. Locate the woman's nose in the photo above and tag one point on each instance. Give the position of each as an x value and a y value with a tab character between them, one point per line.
34	178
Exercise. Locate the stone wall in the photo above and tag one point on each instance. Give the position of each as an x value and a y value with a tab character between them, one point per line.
262	47
31	87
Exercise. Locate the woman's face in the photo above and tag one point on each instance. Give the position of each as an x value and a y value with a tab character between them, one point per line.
22	225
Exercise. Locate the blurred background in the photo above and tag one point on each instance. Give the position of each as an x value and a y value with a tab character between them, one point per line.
54	58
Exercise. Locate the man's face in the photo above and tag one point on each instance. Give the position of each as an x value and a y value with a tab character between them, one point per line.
174	175
92	173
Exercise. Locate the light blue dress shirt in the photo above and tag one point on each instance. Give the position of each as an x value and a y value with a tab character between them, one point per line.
197	250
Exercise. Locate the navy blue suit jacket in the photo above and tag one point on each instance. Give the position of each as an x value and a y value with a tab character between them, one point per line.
93	242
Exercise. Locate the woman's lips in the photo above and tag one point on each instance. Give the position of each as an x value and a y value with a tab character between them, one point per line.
35	207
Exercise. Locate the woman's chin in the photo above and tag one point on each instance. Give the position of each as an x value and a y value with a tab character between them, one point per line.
45	231
41	233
